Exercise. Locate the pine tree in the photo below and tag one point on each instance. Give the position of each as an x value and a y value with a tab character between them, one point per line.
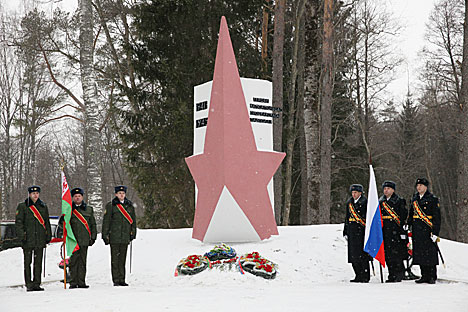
174	51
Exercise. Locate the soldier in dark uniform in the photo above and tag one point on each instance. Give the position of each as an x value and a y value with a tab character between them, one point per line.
424	219
118	230
83	224
394	215
354	230
33	229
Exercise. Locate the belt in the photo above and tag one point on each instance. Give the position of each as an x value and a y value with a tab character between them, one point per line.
417	217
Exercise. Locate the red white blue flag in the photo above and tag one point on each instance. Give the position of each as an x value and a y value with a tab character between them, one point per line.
373	240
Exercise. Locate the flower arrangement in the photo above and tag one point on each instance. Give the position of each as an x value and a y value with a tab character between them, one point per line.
193	264
220	252
257	265
224	257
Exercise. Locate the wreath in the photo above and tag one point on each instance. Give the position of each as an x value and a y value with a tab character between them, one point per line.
257	265
192	265
221	252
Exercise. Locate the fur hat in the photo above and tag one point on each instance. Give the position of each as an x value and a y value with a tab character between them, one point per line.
77	190
356	187
34	188
389	184
422	181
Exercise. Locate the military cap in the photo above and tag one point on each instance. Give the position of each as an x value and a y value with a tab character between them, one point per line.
389	184
356	187
34	188
122	188
422	181
77	190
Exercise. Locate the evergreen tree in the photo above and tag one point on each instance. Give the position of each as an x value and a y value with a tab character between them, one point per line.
174	51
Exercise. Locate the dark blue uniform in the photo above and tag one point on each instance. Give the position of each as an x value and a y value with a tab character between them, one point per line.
424	249
355	232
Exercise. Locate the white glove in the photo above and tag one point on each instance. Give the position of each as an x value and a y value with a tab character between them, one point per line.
405	227
346	237
403	236
435	238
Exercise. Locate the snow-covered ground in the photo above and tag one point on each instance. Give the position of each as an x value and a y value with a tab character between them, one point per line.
313	276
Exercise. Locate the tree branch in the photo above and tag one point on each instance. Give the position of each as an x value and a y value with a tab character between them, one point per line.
58	83
60	117
75	107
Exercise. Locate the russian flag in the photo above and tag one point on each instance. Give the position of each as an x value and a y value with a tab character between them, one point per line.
373	239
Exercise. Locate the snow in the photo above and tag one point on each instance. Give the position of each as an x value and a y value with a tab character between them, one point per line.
313	276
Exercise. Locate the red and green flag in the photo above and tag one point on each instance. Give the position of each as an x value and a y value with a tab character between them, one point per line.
71	244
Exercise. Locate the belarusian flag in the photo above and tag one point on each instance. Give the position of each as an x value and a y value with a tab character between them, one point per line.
70	241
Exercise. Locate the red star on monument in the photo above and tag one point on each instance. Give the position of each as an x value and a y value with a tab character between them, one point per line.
230	156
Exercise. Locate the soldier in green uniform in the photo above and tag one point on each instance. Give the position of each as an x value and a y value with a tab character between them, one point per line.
118	230
33	229
83	225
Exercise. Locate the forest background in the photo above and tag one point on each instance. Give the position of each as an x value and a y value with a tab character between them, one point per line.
106	89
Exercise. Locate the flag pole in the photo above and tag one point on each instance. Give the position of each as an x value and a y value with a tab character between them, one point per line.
64	254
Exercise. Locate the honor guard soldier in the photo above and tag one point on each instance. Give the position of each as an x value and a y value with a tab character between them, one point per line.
354	230
83	224
118	230
394	215
33	229
424	219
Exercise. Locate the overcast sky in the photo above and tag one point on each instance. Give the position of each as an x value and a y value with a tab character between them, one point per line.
412	14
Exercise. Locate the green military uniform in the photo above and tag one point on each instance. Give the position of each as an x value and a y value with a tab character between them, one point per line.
84	239
118	232
34	237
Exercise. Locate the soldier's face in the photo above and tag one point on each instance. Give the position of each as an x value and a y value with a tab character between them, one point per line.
120	195
34	196
421	188
388	191
356	194
78	199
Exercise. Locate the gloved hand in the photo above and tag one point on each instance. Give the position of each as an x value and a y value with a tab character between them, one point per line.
106	240
403	236
91	242
406	227
346	237
435	238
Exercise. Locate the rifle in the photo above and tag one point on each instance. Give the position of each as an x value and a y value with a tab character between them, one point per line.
440	253
45	254
131	253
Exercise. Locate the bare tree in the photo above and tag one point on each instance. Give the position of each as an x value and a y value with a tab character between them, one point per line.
92	142
327	81
278	52
311	110
375	60
462	220
292	114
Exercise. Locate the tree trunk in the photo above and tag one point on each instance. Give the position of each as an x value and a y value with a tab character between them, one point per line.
303	216
311	111
291	138
327	74
92	142
278	49
265	21
462	195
